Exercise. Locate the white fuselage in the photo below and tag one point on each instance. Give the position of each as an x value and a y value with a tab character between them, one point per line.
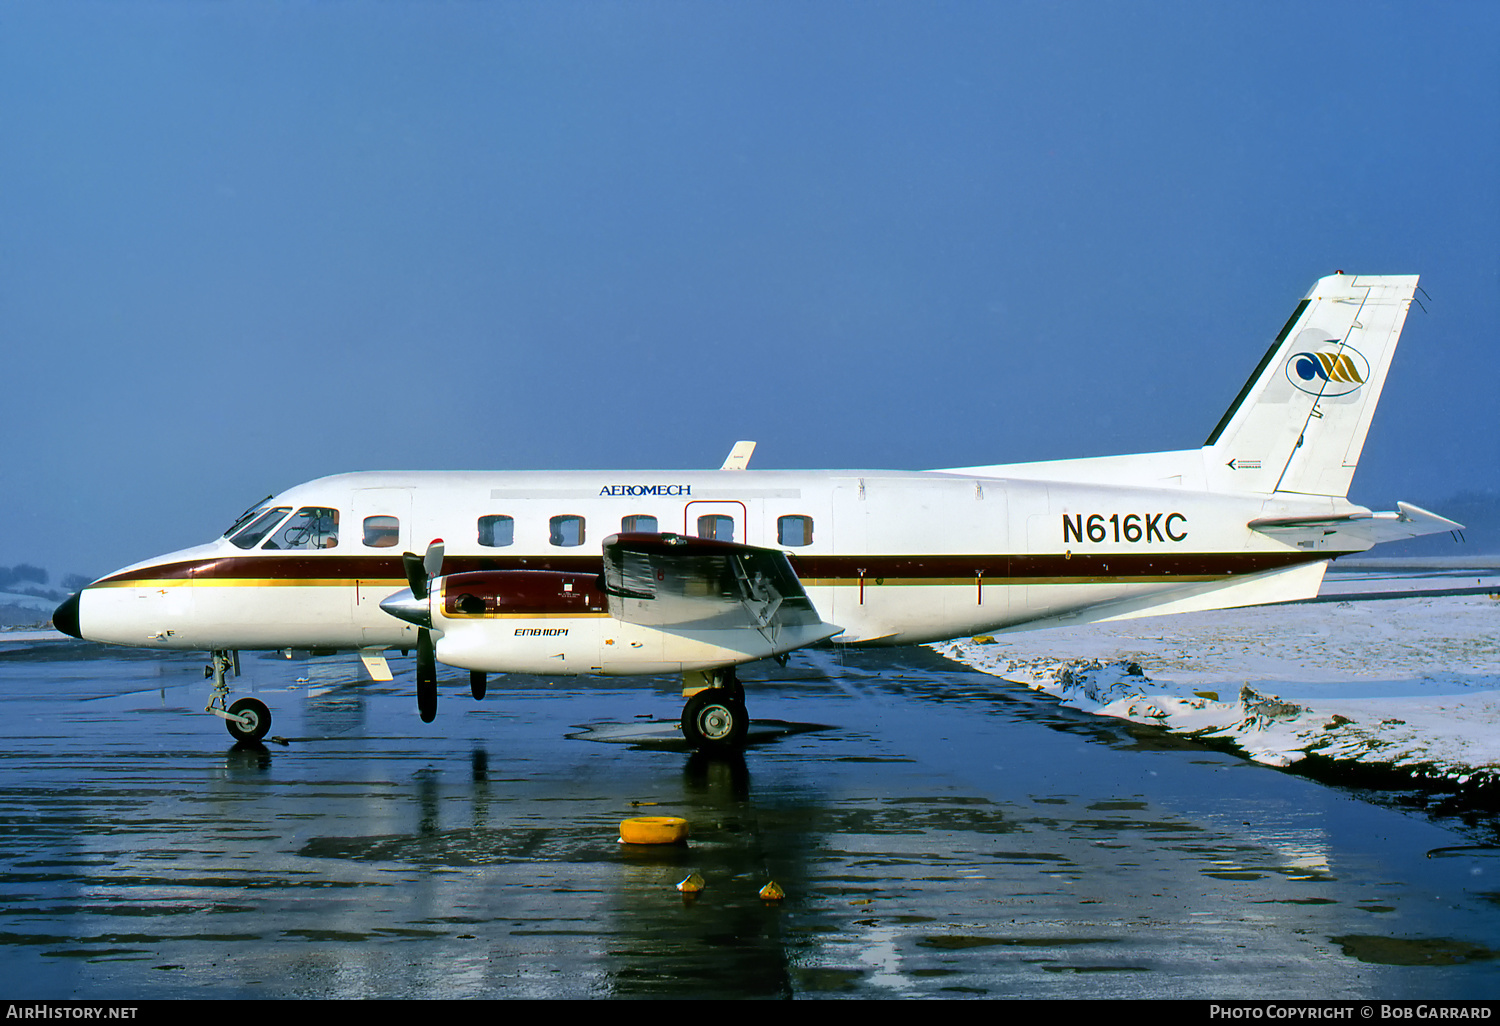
884	557
890	557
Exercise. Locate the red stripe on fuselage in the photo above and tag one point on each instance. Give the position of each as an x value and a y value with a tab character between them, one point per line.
996	568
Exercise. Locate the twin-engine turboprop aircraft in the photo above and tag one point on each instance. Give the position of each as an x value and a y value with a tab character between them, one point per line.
698	572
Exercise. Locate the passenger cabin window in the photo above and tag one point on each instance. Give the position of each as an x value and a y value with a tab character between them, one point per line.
794	530
496	532
259	526
311	527
567	531
382	532
639	524
716	526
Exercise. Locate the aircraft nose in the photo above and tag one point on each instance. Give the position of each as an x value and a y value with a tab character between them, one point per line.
405	606
65	616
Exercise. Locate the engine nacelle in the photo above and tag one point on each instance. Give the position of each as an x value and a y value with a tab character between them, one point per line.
544	621
663	604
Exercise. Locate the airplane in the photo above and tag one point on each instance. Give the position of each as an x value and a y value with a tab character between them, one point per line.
698	572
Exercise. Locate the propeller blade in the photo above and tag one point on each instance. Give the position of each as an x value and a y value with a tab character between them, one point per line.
433	561
420	572
416	575
426	676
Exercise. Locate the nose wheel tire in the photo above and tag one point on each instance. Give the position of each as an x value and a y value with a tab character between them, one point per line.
714	720
256	717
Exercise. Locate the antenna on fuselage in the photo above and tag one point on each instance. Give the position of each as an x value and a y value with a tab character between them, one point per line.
739	456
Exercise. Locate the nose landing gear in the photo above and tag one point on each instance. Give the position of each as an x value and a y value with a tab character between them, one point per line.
247	719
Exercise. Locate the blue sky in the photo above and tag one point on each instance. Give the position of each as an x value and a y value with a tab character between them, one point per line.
248	244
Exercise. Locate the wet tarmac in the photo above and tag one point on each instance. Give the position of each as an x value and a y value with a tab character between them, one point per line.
938	833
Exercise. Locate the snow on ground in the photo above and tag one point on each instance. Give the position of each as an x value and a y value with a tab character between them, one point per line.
40	603
1412	683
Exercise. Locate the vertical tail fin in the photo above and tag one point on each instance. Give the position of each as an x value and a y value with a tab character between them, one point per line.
1300	422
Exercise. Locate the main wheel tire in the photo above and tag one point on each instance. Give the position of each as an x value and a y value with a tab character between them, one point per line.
713	721
256	715
477	684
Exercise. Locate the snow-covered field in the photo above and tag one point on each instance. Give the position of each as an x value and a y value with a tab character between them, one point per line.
1411	683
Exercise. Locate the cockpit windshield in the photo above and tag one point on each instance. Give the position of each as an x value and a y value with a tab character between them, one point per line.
260	523
255	510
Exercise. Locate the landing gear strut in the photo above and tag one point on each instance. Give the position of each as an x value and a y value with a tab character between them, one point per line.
247	719
714	718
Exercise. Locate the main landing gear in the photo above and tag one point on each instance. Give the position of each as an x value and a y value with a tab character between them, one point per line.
247	719
714	718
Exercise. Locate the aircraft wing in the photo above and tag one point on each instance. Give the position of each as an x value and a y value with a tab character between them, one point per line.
1362	529
673	582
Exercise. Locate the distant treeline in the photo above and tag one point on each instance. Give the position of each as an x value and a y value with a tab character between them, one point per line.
21	573
27	578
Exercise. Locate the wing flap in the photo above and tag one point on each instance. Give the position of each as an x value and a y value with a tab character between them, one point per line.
670	581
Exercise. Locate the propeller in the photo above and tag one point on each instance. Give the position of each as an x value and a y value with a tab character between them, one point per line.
416	608
420	572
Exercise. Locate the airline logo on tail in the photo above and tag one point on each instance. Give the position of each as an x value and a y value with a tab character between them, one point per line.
1337	370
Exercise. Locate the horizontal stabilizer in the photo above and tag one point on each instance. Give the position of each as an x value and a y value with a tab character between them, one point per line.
1355	530
670	581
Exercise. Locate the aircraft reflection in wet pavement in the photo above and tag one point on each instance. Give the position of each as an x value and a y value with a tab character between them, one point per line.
703	571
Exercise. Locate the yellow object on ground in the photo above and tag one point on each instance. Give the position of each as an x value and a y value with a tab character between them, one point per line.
653	830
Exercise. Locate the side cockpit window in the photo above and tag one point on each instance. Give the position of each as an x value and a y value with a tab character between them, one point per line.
311	527
260	523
